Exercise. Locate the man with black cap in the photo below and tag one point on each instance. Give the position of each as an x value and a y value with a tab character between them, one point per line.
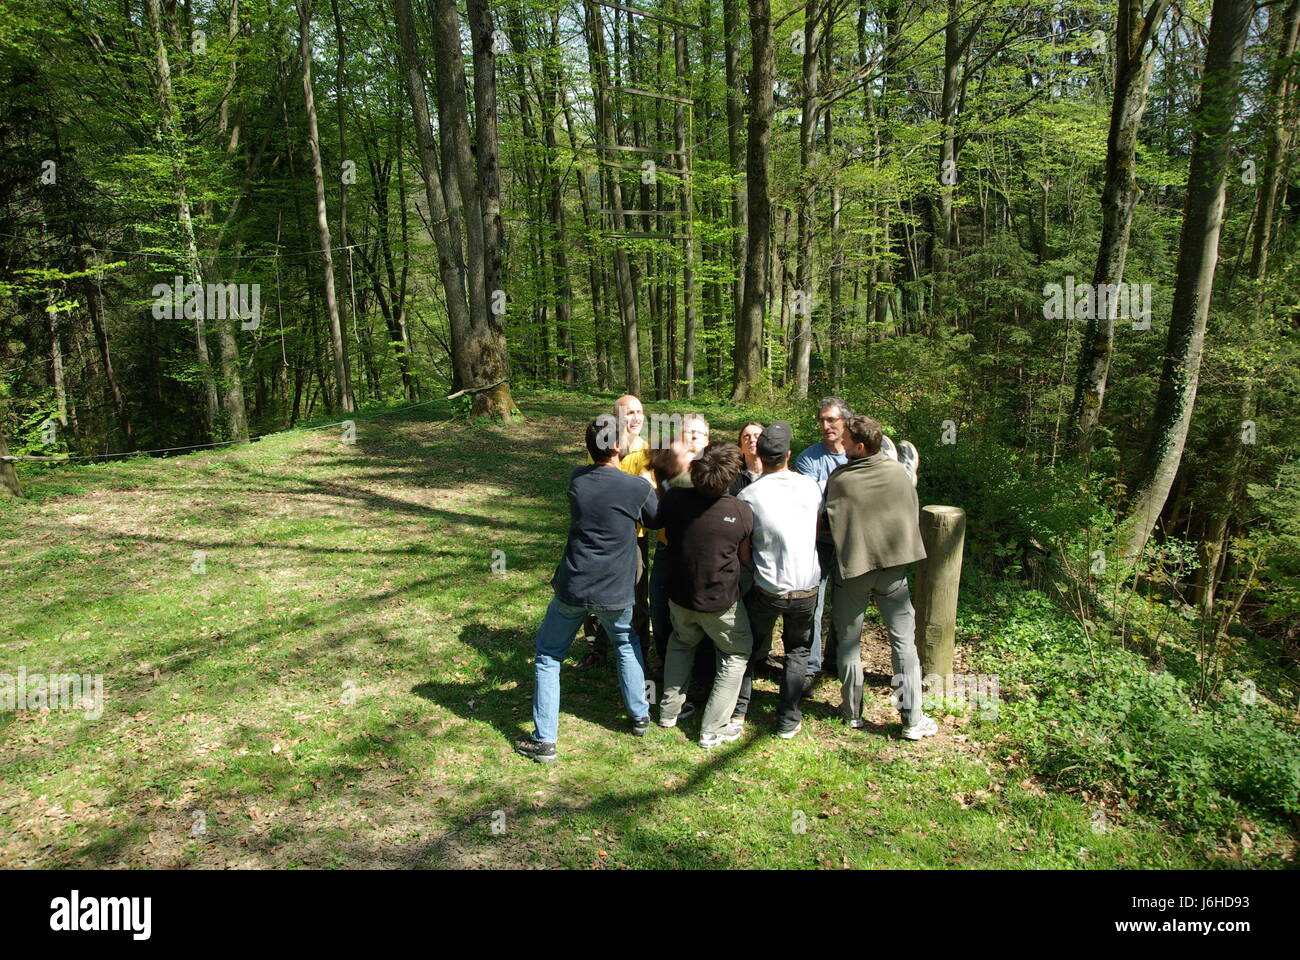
785	505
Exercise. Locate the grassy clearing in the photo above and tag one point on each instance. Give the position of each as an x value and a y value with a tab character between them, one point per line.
339	687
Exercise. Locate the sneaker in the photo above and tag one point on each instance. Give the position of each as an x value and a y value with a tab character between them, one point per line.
640	725
726	735
790	733
688	709
591	660
928	727
910	458
536	750
737	719
857	723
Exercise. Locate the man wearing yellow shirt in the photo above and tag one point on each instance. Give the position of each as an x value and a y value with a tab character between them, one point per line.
631	418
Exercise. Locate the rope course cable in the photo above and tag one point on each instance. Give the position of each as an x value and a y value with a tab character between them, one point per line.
218	443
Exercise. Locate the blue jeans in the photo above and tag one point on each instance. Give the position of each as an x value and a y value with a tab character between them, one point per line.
559	627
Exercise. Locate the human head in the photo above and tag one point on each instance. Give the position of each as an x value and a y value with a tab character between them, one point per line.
602	438
630	415
748	439
862	437
716	468
832	412
695	433
773	446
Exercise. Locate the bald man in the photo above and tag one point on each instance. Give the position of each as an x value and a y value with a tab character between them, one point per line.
636	461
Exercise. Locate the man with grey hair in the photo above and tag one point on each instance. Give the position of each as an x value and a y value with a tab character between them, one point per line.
818	462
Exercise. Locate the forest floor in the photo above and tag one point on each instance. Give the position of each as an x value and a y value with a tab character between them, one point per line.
337	679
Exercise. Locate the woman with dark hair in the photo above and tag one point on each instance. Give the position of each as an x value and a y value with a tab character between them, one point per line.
753	469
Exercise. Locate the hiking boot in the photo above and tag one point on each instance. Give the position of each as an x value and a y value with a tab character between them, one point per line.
726	735
927	727
640	725
536	750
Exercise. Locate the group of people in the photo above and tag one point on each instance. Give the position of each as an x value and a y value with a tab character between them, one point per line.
743	540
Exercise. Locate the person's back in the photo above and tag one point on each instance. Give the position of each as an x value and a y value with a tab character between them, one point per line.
785	505
873	514
704	534
598	568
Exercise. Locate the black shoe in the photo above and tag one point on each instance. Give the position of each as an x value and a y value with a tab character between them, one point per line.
808	683
640	725
534	750
592	660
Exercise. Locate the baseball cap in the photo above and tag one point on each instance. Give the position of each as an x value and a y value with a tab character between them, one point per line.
774	441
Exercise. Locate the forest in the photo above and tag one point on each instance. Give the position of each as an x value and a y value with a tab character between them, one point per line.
1056	244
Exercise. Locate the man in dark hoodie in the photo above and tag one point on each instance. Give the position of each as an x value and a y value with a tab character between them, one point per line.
596	575
874	518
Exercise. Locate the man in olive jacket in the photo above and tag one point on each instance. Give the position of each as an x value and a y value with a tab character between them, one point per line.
874	519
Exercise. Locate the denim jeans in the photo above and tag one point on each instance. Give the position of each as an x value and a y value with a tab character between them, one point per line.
559	627
826	556
795	615
889	588
640	612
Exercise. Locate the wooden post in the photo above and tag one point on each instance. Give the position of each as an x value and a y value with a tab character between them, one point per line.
8	476
938	577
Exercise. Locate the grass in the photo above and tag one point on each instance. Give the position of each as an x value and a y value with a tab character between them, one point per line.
337	684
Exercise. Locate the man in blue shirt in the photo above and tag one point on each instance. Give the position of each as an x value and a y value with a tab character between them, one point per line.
596	575
818	462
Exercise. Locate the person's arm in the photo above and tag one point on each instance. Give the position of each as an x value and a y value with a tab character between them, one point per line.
742	551
651	510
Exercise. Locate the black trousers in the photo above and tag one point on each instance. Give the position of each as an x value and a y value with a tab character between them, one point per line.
796	634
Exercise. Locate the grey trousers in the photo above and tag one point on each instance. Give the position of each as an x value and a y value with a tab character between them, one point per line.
729	631
889	588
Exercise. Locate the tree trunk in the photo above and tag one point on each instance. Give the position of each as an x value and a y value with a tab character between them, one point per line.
687	218
807	199
170	117
749	320
446	234
1198	254
627	307
1134	55
342	373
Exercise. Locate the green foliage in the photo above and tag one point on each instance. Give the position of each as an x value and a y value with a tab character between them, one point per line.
1105	722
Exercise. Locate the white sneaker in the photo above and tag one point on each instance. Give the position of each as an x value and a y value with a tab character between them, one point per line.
928	727
687	710
730	732
910	458
791	733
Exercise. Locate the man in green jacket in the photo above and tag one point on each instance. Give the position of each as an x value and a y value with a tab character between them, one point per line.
874	519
